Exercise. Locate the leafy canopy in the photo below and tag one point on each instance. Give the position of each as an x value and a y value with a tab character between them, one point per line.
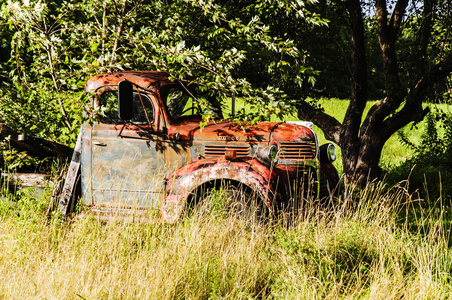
234	47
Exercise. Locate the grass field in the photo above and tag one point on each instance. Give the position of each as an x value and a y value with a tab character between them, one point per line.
372	245
358	249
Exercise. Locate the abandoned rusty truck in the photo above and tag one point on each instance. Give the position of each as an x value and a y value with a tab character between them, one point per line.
144	148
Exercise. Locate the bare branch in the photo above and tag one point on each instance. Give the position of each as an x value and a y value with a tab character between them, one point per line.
358	99
328	124
412	110
119	31
382	16
397	18
437	72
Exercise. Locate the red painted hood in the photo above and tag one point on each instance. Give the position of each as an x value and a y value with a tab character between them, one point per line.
230	131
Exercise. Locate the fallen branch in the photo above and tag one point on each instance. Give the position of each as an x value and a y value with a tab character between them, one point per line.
37	147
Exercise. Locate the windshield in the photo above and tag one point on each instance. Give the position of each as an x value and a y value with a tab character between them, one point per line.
186	102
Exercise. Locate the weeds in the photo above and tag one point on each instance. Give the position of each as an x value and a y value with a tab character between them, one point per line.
429	169
356	249
376	244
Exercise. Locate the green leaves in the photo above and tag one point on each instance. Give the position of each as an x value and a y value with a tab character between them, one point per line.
229	48
234	48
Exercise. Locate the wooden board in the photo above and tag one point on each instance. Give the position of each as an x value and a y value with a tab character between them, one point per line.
69	193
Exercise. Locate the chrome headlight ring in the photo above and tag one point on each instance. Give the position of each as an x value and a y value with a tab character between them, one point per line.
268	155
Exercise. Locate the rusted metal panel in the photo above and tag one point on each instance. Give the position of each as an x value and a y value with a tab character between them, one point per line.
126	170
145	79
67	198
85	164
221	150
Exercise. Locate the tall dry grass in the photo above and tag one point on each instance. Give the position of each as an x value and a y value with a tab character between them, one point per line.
358	248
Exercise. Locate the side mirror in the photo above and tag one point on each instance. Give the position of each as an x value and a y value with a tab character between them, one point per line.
125	100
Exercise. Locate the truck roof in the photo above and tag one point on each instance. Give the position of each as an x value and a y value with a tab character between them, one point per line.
144	79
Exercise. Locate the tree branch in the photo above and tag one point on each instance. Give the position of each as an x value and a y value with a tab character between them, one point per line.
412	110
382	16
118	32
397	18
328	124
423	37
387	34
439	71
358	98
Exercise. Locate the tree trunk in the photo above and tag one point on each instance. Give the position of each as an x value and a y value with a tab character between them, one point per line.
350	141
362	144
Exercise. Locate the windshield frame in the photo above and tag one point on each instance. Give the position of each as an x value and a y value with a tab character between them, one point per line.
151	120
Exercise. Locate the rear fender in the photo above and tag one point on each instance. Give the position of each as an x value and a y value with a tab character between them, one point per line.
246	171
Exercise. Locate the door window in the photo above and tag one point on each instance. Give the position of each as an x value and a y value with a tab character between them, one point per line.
142	107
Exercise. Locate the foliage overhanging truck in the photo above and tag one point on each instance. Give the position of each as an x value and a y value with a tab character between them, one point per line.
144	149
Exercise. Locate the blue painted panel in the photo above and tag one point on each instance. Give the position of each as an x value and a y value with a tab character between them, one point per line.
85	164
126	170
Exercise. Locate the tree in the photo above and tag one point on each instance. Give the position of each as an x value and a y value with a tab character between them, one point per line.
362	141
225	45
39	93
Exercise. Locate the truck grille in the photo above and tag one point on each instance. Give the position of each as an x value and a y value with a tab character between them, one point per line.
219	150
297	151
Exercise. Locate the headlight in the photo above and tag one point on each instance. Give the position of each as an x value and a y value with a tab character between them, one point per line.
327	153
273	154
331	152
268	155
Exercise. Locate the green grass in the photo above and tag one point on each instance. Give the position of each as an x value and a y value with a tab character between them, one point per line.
355	250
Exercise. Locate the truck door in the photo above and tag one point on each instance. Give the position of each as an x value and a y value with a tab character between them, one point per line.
127	164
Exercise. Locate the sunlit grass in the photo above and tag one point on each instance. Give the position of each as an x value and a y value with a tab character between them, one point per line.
357	249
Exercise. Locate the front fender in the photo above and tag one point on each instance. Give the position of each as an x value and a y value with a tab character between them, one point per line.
247	171
330	180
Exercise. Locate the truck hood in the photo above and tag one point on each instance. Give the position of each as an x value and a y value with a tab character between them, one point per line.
230	131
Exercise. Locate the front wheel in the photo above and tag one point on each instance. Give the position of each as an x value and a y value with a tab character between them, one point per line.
228	199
